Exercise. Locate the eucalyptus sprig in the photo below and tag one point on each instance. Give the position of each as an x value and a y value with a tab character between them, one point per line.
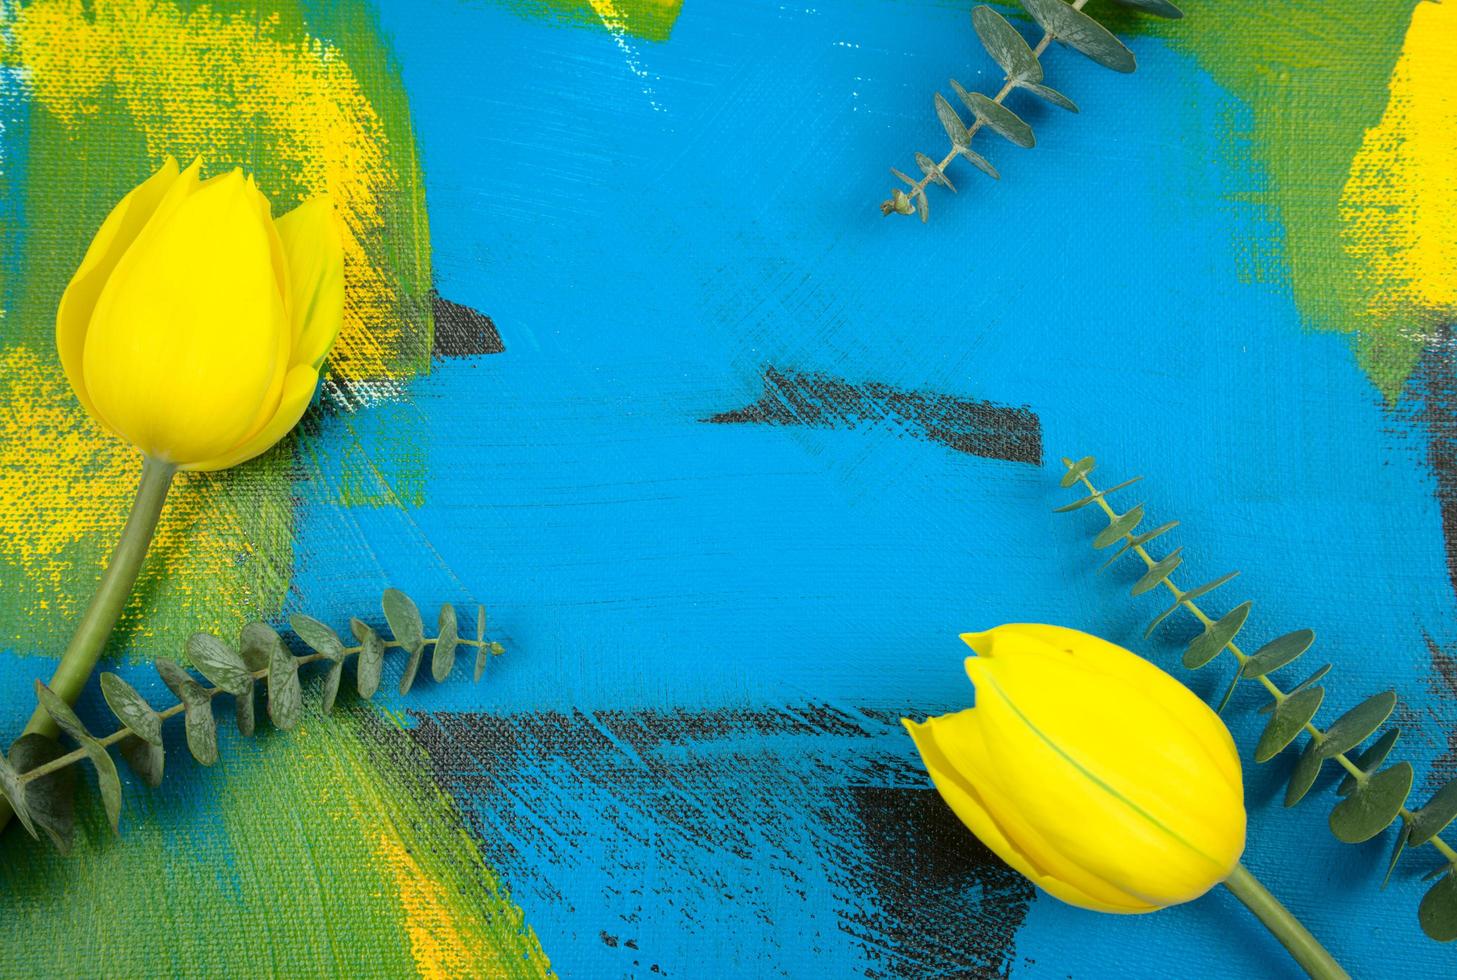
38	782
1061	22
1374	798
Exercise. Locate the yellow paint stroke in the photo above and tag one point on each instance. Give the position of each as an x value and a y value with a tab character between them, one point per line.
651	20
204	83
439	948
1399	205
326	852
109	88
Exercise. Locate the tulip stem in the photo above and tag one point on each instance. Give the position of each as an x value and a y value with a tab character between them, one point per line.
97	622
1305	948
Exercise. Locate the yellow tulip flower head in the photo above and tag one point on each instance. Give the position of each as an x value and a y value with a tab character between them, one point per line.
196	325
1098	776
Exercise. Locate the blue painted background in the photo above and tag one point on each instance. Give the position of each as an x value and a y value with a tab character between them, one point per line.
650	225
647	245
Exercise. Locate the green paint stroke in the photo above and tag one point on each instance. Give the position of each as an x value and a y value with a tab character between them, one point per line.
327	851
80	132
651	20
1315	77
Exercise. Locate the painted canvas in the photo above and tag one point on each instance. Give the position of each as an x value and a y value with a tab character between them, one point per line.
631	357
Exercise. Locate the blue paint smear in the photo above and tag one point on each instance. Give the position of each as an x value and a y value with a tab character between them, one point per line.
650	225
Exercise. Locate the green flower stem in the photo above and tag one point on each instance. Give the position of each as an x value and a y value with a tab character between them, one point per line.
1356	772
111	595
1305	948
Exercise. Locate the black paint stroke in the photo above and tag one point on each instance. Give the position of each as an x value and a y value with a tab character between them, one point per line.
925	865
461	331
807	794
978	428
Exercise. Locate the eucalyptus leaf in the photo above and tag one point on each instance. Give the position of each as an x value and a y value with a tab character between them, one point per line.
1303	776
1433	818
998	118
933	170
1159	8
331	684
1396	852
371	658
903	177
1082	33
1008	48
1158	571
1438	911
1289	720
131	708
317	636
243	711
216	661
202	731
1315	675
50	799
481	651
61	713
1184	597
412	667
1119	527
1278	652
1051	95
1374	805
1138	540
979	162
1094	497
285	698
403	616
1228	693
442	658
1370	759
1208	645
179	681
144	758
1076	471
109	781
256	644
106	776
951	122
923	205
1356	725
14	791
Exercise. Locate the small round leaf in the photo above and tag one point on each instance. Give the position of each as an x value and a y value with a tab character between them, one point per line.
442	658
1356	725
1373	806
1438	911
1278	652
1289	720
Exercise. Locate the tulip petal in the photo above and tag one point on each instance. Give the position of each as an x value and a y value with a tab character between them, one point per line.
184	347
1105	773
1111	660
310	236
298	391
117	232
972	794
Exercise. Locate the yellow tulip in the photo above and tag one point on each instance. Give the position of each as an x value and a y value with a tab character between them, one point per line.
197	323
1098	776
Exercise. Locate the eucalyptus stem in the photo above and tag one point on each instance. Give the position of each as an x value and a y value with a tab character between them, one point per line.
1306	950
1341	759
79	755
99	619
919	186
